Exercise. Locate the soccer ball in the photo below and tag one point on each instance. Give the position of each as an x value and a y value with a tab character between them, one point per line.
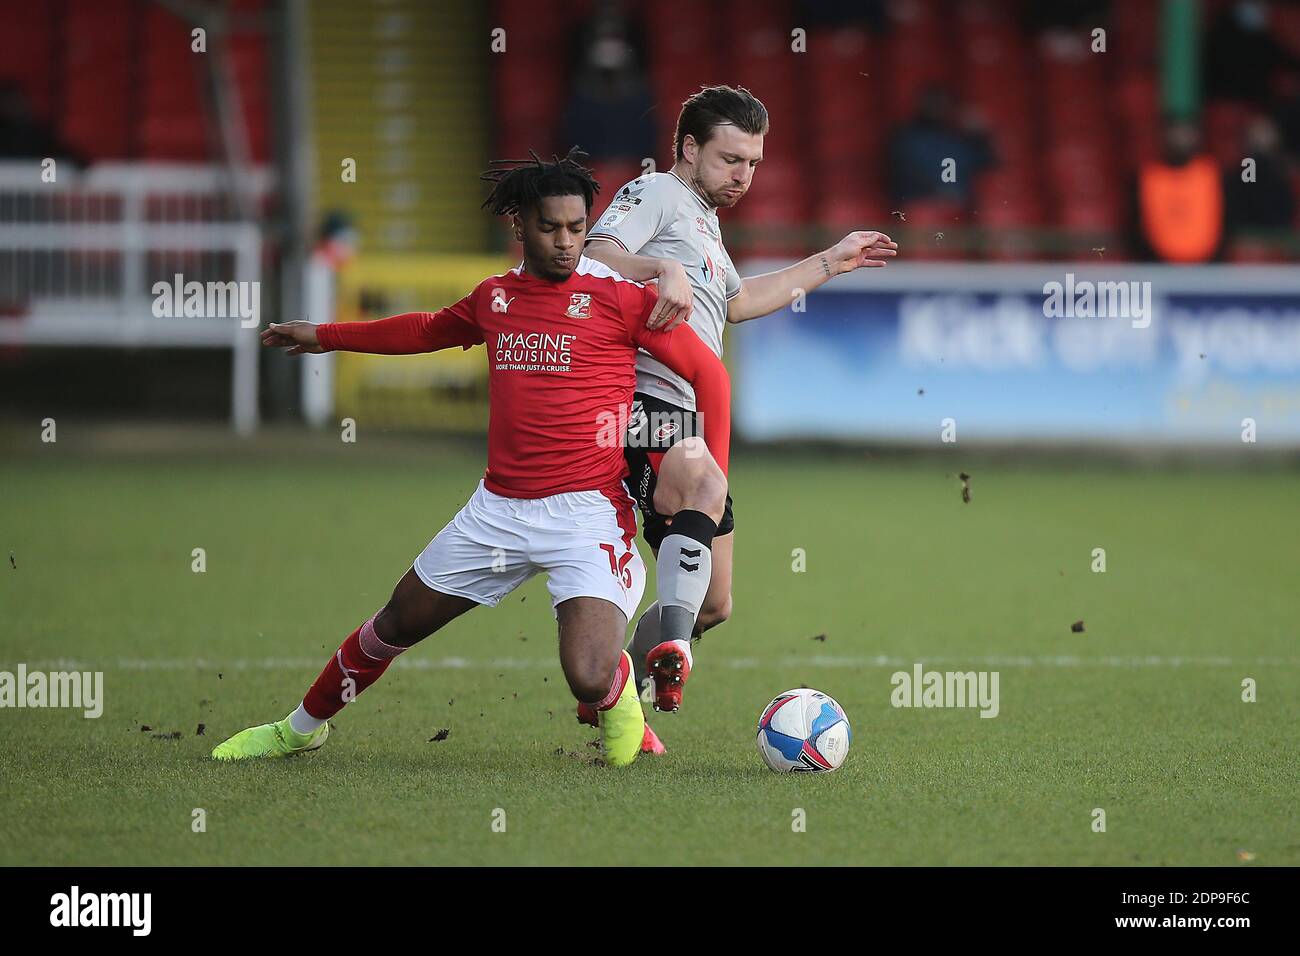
803	731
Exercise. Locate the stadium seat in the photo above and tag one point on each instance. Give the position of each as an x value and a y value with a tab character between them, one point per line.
172	119
1254	251
97	80
1286	25
116	79
1224	123
29	44
838	215
1069	127
612	174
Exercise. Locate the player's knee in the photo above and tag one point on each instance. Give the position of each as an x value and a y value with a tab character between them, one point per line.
710	494
386	625
588	682
396	626
713	613
693	481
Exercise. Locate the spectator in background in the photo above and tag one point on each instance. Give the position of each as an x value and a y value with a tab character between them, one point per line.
1178	207
835	14
608	19
23	136
609	111
919	148
1269	202
337	240
1242	58
1071	16
1286	114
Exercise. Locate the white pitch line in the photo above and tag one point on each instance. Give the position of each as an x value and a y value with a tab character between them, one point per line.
1053	660
734	663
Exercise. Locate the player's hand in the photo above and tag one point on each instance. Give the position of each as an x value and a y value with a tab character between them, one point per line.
294	337
861	250
675	298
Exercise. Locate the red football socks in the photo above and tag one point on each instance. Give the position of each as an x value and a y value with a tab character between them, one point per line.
359	662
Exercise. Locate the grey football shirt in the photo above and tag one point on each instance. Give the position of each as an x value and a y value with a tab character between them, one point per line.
659	215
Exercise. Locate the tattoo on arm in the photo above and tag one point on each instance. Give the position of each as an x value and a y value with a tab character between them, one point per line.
826	267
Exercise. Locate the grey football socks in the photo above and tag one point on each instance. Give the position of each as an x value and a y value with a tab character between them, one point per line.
684	568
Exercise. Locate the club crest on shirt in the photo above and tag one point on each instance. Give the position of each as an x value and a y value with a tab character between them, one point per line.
706	269
579	306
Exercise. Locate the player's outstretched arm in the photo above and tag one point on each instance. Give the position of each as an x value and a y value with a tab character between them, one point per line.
406	334
295	337
675	297
763	295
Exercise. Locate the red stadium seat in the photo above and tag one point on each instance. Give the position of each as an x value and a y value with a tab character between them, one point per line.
933	213
611	176
777	181
1223	127
1286	26
1068	126
839	215
759	15
845	124
116	78
529	91
172	120
1138	102
28	46
1132	39
97	80
1254	251
248	58
1011	246
1100	214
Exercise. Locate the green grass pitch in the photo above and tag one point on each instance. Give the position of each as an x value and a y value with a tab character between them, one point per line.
1140	715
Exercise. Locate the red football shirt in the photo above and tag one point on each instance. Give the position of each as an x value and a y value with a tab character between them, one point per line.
561	372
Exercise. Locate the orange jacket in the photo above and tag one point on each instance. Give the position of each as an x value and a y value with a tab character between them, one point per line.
1181	209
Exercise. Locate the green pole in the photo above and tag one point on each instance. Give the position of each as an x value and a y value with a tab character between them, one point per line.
1180	89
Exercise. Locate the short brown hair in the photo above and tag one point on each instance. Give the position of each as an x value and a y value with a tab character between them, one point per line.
713	106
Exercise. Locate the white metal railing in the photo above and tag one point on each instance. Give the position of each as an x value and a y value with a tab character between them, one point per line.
81	259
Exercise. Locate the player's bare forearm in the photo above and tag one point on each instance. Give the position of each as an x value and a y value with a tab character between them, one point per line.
296	338
627	264
675	296
765	294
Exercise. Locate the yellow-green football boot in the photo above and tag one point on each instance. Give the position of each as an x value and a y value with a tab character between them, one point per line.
270	740
622	727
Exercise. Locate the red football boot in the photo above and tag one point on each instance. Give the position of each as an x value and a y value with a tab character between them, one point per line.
670	670
650	742
587	715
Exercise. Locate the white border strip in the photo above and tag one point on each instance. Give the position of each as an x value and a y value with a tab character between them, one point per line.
975	277
306	664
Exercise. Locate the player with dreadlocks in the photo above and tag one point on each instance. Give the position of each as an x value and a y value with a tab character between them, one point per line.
561	333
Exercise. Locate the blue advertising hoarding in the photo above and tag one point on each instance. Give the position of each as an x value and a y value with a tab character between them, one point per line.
1021	354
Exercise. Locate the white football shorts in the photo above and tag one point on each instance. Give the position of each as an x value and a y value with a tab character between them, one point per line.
585	541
